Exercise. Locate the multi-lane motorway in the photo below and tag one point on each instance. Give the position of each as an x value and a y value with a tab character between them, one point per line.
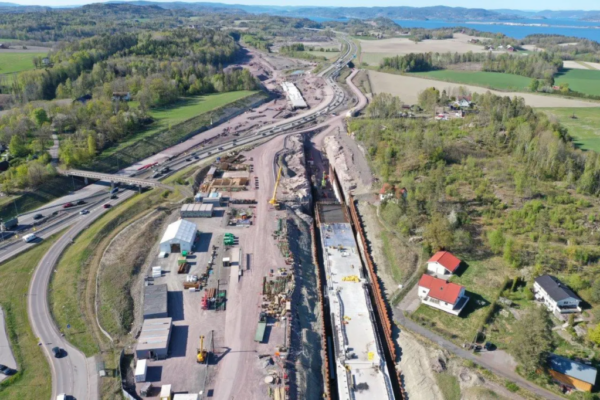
73	374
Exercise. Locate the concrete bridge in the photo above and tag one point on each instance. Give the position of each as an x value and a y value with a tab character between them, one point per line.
115	178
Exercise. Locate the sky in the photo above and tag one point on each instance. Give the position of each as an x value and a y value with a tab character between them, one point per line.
488	4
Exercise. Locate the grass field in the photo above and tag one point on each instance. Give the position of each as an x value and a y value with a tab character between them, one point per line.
581	80
17	62
33	380
491	80
449	386
179	112
585	128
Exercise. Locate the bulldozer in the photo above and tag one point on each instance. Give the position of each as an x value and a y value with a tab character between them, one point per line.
202	354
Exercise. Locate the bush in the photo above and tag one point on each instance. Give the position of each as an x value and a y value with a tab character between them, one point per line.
513	387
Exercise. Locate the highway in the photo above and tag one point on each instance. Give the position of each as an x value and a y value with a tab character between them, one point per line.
74	374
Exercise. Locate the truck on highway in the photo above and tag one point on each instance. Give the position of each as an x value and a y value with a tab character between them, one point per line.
29	238
9	224
261	328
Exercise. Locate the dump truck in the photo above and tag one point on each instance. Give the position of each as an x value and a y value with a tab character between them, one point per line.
261	328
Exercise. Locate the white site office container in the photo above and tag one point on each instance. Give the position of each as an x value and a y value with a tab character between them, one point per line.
156	272
140	370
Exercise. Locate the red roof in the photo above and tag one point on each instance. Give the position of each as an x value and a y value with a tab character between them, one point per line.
446	259
441	289
386	188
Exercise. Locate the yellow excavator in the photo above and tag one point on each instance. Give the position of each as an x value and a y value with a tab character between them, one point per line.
201	357
273	201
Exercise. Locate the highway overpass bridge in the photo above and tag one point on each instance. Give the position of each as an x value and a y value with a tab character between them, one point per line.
112	178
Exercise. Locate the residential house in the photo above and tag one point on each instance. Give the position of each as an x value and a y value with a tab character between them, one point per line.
443	263
46	61
463	102
557	297
510	49
386	192
121	96
441	294
571	374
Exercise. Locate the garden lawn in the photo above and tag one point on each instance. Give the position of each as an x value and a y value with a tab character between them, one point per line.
482	281
585	81
491	80
17	62
33	379
181	111
584	128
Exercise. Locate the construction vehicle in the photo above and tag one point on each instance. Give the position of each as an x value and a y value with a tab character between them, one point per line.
202	354
273	201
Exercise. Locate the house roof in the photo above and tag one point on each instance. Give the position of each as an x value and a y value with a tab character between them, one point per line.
386	188
446	260
182	230
579	371
555	289
441	289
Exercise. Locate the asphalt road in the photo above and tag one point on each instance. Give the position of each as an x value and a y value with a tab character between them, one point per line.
6	355
71	374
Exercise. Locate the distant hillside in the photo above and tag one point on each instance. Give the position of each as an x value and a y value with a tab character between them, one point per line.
555	14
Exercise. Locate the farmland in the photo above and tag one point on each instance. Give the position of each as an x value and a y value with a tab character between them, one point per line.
581	80
490	80
409	87
17	62
584	128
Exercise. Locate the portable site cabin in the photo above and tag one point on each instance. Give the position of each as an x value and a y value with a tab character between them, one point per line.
178	237
156	301
153	342
186	396
166	392
140	370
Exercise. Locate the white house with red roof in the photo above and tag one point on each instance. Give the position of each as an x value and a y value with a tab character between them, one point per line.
441	294
443	263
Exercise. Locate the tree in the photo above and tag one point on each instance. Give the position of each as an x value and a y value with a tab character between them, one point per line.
496	241
532	339
17	147
429	98
534	85
438	233
594	334
39	117
91	141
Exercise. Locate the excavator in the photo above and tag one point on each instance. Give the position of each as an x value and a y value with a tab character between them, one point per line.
202	354
273	201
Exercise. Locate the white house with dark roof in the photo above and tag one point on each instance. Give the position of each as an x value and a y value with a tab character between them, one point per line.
557	297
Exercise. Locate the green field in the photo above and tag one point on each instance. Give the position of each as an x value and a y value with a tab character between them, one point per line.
179	112
584	128
491	80
33	380
17	62
373	59
581	80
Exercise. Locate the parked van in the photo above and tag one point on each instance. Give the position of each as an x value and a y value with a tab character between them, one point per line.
29	238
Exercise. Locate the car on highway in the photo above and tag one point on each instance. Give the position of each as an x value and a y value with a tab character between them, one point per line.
188	159
107	205
80	202
38	216
114	196
196	157
57	352
67	205
7	370
83	212
220	148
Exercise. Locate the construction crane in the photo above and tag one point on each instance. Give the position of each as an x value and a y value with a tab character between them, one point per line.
273	201
201	357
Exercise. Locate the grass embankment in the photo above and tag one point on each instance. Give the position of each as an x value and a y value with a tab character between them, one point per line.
33	381
174	124
583	125
491	80
449	386
18	62
36	198
581	80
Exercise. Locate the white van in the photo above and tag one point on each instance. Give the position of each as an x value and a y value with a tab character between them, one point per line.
61	397
29	238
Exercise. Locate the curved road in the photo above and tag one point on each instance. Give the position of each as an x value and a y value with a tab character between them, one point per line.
73	374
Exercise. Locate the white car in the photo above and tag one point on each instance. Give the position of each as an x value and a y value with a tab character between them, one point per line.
83	212
61	397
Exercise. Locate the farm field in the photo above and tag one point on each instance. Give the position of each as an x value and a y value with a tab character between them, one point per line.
579	80
17	62
409	87
584	128
179	112
491	80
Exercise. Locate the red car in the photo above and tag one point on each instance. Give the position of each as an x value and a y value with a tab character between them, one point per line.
107	205
67	205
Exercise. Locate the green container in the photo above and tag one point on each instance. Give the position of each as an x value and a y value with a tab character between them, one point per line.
184	253
229	235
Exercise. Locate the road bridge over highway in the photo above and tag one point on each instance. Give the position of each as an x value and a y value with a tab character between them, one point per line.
115	178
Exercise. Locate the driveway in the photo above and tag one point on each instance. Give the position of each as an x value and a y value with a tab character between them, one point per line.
6	355
496	363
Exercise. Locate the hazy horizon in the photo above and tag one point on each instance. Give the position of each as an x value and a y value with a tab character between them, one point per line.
533	5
